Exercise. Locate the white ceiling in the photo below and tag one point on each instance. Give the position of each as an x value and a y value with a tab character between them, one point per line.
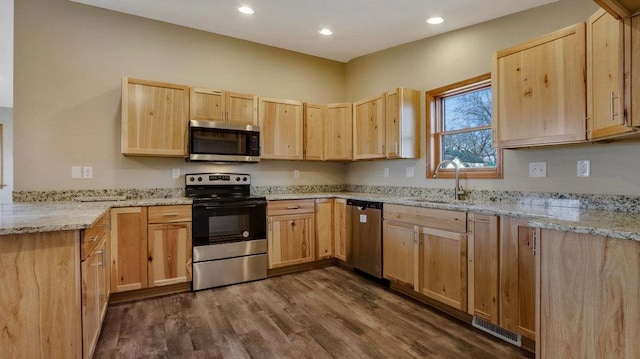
359	26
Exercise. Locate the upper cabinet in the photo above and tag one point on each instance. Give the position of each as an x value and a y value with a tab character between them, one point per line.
223	106
154	118
539	91
369	128
327	132
281	127
620	8
338	129
403	123
612	60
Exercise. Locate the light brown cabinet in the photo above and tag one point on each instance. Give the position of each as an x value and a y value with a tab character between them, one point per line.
517	276
369	128
314	123
95	283
324	228
154	118
281	129
539	91
340	229
403	123
290	232
588	296
338	132
620	8
223	106
400	252
483	267
439	255
150	246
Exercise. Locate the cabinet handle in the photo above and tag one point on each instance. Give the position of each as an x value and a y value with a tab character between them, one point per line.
92	239
293	207
171	214
397	148
150	259
613	98
101	253
535	242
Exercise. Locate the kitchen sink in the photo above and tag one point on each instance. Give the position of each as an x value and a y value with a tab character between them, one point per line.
436	200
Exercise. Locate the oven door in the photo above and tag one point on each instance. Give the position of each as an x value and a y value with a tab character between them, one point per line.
224	222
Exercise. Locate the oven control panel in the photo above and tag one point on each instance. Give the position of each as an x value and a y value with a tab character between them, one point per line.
217	179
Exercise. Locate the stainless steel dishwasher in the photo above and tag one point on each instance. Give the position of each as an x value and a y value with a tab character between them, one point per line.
366	236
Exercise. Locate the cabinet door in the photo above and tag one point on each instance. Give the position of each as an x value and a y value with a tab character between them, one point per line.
90	302
369	128
340	228
281	129
154	118
540	92
605	76
313	132
443	265
338	138
324	228
403	123
128	249
517	277
169	258
207	104
291	239
400	253
483	267
242	109
589	296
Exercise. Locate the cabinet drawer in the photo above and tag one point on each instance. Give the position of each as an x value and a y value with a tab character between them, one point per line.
169	214
92	235
427	217
276	208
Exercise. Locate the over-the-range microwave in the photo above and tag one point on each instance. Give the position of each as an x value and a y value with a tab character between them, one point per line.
223	142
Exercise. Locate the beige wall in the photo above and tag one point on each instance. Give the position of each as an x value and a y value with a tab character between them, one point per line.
458	55
70	59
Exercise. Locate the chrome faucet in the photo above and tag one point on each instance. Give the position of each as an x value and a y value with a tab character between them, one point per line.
457	191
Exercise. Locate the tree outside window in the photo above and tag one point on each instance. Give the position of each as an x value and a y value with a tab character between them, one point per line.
459	129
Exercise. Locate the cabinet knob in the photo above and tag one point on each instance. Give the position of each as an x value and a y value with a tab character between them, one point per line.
150	259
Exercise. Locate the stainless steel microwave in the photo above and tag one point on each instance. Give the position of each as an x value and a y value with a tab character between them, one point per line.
223	142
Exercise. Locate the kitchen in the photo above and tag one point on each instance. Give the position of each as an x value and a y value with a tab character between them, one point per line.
67	112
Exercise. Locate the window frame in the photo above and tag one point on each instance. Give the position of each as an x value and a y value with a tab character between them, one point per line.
435	125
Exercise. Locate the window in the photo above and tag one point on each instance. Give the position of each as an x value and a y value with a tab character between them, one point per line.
459	130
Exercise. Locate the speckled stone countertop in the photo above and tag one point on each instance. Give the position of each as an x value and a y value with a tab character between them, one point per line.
562	215
34	217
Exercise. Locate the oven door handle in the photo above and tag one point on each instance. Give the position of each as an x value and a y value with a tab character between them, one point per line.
243	206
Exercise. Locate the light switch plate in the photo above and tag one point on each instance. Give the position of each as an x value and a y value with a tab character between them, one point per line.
537	169
386	172
175	173
411	171
76	172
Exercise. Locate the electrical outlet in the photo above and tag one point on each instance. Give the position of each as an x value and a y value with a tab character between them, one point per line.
87	172
411	171
537	169
296	174
76	172
175	173
386	172
584	168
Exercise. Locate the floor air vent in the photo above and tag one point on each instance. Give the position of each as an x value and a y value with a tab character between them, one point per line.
496	331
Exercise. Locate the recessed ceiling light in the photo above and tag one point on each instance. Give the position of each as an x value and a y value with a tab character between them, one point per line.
326	32
435	20
246	10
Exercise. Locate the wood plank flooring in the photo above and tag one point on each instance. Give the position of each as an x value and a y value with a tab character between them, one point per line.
322	313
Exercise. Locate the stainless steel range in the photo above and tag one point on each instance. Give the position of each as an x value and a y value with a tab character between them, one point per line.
229	230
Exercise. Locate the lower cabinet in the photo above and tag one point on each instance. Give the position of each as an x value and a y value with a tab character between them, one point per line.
150	247
589	296
340	229
518	277
483	267
324	228
291	232
432	259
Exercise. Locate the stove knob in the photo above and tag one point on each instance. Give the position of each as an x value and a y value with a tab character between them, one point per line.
245	234
237	179
199	179
244	179
191	179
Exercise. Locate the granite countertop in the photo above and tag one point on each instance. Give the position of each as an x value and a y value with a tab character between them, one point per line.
563	215
34	217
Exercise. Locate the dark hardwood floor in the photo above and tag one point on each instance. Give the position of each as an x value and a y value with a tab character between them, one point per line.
322	313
